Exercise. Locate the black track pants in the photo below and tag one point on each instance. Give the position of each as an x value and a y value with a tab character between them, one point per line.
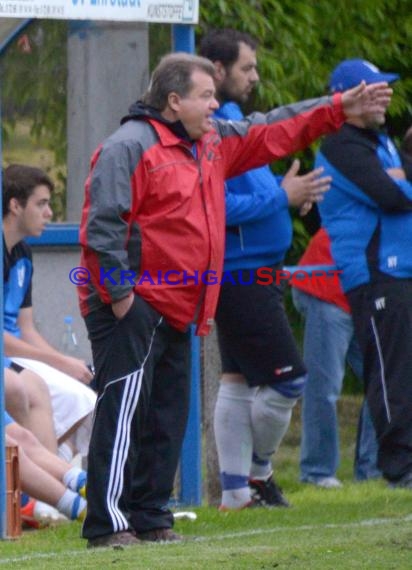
382	315
142	380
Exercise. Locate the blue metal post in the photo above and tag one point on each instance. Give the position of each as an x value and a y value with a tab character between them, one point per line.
183	39
191	458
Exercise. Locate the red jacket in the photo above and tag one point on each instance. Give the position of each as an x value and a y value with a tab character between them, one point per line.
155	203
326	288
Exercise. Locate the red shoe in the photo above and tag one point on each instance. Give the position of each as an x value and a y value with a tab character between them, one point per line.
27	515
36	514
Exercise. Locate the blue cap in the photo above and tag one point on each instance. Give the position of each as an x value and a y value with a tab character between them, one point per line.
351	72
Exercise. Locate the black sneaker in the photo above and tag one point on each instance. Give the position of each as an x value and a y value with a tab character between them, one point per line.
116	540
159	535
267	493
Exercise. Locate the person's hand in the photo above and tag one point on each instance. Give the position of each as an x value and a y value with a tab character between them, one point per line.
373	98
74	367
307	188
121	307
396	173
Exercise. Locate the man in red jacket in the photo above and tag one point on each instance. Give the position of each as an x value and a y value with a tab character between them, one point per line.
152	236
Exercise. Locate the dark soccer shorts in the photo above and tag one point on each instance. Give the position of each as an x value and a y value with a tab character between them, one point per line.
255	337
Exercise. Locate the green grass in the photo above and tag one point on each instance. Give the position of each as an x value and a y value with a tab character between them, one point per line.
360	526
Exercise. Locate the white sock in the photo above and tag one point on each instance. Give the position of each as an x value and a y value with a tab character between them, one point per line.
233	433
71	504
73	477
271	414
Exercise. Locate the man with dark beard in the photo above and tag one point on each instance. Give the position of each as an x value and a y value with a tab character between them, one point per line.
263	373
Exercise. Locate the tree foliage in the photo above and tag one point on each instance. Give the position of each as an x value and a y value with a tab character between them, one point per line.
34	84
34	75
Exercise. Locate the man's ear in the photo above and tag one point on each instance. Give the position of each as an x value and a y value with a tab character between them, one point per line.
220	71
173	100
14	205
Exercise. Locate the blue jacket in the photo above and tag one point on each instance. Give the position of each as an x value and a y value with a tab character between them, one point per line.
367	213
258	223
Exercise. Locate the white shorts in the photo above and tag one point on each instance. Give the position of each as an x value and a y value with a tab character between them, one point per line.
71	401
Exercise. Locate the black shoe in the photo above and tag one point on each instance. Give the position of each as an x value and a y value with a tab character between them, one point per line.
117	540
160	535
267	493
405	482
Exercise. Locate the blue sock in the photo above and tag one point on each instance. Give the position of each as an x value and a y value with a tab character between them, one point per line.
24	499
75	478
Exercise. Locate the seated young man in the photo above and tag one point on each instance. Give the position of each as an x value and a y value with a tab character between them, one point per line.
26	210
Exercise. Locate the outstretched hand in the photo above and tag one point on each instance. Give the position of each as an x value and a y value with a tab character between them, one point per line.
373	98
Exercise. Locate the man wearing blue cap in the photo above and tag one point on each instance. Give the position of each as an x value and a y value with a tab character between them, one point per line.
368	215
353	71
